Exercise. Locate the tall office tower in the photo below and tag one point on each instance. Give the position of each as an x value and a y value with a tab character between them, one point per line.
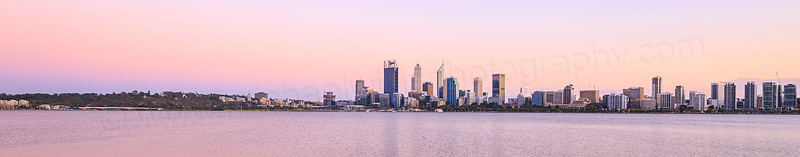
440	80
389	77
413	86
729	96
499	86
477	86
665	101
750	95
656	86
780	96
790	96
593	95
558	97
634	93
249	96
359	88
416	84
770	95
714	91
569	93
452	91
615	101
697	100
548	96
538	98
329	99
428	88
680	96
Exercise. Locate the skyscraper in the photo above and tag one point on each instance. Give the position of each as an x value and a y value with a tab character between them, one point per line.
714	91
680	95
416	84
499	86
780	96
428	88
359	88
538	98
697	100
615	101
594	96
329	99
790	96
729	96
477	87
750	97
440	80
452	91
569	93
634	93
656	86
665	101
389	77
524	90
770	95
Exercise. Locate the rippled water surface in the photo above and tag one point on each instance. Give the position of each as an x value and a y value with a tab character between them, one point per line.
185	133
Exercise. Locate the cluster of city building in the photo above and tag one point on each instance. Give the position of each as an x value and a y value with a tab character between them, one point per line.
13	104
447	91
263	100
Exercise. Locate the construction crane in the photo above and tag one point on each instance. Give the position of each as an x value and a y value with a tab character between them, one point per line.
779	78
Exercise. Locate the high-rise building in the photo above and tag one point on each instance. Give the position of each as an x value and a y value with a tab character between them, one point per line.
729	101
390	77
714	91
680	95
665	101
770	95
558	97
499	86
359	88
614	101
428	88
416	81
524	90
440	80
780	96
697	100
477	86
593	96
452	91
634	93
397	100
750	97
329	99
537	98
656	86
790	96
569	94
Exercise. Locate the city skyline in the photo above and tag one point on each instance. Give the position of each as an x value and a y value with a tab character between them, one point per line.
296	50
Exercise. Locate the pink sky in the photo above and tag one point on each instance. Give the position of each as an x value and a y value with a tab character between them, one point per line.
297	49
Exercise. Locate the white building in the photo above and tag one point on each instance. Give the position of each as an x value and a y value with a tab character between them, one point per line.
615	101
665	101
697	100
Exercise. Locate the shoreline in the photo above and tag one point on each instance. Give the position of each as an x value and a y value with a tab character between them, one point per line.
411	111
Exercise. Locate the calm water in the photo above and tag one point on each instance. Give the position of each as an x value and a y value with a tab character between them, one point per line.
161	133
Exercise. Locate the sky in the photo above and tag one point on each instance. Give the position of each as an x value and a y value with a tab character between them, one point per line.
299	49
